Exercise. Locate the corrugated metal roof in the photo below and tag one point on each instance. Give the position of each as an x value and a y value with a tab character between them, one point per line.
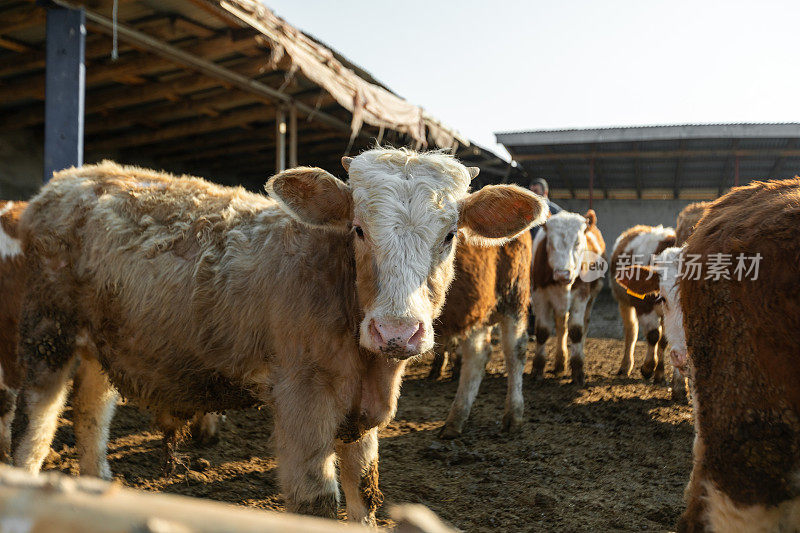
674	157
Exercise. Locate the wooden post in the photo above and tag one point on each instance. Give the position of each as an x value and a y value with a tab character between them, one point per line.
65	85
591	182
292	136
280	139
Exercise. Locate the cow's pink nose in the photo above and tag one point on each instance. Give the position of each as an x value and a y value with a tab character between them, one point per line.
391	334
561	275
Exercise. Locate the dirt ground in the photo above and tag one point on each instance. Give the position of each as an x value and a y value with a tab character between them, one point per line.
614	455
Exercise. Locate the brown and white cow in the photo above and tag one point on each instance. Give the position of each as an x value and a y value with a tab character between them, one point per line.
687	220
197	297
491	288
741	337
637	246
567	250
659	282
12	284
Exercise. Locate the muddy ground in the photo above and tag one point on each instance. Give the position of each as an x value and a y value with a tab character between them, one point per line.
614	455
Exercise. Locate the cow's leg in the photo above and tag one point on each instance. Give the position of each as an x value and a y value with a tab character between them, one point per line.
47	350
678	386
661	355
544	325
439	361
561	341
652	327
358	473
631	325
475	353
42	402
515	351
174	430
8	403
205	428
693	518
576	321
93	404
305	429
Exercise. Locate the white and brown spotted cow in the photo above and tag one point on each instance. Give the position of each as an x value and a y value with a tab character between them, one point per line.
12	285
637	246
741	339
197	297
567	246
659	282
491	288
687	219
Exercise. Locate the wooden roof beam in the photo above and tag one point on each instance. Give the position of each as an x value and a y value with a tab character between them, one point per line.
21	17
662	154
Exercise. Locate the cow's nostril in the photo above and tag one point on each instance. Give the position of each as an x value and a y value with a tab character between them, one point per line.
397	334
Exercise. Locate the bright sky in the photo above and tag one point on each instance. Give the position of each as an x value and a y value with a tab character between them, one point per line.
483	66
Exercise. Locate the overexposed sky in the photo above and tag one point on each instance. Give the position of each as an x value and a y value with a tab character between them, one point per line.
495	65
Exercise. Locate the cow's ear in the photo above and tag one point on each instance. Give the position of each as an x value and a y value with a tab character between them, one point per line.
591	218
639	281
314	197
498	213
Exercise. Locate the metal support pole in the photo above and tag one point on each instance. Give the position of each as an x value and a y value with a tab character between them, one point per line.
736	171
64	89
591	182
292	137
280	139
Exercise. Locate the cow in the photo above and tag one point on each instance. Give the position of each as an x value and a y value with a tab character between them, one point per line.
659	282
12	285
741	341
686	221
637	245
491	288
194	297
567	248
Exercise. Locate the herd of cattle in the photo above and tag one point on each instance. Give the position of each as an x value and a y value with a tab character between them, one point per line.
191	298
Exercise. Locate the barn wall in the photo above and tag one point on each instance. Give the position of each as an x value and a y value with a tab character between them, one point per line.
615	216
22	165
21	162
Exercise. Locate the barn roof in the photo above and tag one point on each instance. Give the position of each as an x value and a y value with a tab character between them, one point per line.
697	161
199	85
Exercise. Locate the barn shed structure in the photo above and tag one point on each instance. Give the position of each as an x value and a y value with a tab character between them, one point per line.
224	89
646	175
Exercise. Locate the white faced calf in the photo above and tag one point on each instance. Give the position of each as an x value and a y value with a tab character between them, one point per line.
197	297
567	246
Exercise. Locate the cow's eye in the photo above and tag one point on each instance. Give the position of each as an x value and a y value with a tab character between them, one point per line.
359	231
449	238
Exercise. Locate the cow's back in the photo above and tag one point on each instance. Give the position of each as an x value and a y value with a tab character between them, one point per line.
638	245
742	338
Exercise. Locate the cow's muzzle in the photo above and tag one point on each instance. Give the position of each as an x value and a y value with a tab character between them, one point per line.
397	337
679	361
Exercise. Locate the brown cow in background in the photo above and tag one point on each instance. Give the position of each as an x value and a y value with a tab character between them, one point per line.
687	220
491	287
567	248
637	246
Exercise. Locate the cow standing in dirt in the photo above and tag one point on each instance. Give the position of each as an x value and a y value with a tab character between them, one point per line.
741	325
491	287
197	297
568	246
637	246
12	285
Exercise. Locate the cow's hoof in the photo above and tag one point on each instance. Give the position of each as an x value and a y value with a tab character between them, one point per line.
579	378
679	395
624	372
659	380
449	433
511	423
647	372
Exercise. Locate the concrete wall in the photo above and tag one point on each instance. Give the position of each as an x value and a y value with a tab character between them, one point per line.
615	216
